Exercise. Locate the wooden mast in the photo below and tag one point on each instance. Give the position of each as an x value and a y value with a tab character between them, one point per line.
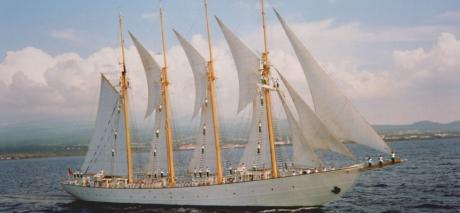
165	96
267	95
211	78
124	97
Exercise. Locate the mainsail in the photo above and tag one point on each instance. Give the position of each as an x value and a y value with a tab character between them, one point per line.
247	65
331	105
157	162
106	150
199	67
303	155
315	132
152	73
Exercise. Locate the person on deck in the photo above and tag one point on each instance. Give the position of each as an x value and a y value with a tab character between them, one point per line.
369	161
393	157
207	171
194	172
380	160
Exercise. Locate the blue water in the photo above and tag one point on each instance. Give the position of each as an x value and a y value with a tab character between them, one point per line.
428	182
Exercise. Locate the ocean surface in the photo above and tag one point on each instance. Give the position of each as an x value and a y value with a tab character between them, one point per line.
428	182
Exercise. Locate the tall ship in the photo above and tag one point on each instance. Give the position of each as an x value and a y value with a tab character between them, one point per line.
260	179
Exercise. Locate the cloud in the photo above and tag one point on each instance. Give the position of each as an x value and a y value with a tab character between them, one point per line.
65	34
453	16
151	15
416	84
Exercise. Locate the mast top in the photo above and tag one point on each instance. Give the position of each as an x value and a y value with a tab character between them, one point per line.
264	28
163	41
122	45
208	29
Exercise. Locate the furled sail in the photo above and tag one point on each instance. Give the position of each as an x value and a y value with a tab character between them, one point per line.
199	69
106	150
257	151
152	73
315	132
303	154
204	155
247	64
331	105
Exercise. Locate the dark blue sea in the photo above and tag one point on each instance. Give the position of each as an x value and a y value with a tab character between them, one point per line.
428	182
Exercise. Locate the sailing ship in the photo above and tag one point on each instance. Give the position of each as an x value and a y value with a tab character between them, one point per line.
107	173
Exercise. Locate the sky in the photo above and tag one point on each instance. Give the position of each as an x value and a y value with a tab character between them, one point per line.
397	61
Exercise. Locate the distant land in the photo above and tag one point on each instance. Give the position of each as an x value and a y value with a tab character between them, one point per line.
55	138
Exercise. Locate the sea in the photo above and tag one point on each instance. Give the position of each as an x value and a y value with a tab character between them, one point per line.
429	181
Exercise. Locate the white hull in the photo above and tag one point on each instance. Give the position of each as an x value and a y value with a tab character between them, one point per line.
303	190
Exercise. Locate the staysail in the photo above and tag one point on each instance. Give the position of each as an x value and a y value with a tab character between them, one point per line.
316	133
106	150
157	162
302	153
204	155
199	67
247	65
152	73
257	151
331	105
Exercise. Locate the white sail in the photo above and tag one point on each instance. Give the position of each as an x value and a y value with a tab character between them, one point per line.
315	132
257	151
106	149
158	154
302	153
331	105
152	73
120	164
204	155
247	64
199	69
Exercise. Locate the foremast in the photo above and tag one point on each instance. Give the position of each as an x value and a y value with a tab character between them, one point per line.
211	92
124	98
267	95
165	97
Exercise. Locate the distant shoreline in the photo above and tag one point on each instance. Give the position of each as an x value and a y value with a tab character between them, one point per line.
82	152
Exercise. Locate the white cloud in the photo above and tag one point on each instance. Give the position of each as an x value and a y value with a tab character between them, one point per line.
450	16
417	83
65	34
151	15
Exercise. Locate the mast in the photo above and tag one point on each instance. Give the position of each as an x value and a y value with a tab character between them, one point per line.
165	97
267	95
124	95
211	79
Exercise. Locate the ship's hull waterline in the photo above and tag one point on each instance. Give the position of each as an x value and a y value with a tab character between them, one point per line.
302	190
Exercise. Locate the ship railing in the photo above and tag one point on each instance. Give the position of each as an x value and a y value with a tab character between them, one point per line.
156	183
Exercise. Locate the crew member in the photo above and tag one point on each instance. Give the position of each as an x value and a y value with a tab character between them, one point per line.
369	161
380	161
393	157
207	171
